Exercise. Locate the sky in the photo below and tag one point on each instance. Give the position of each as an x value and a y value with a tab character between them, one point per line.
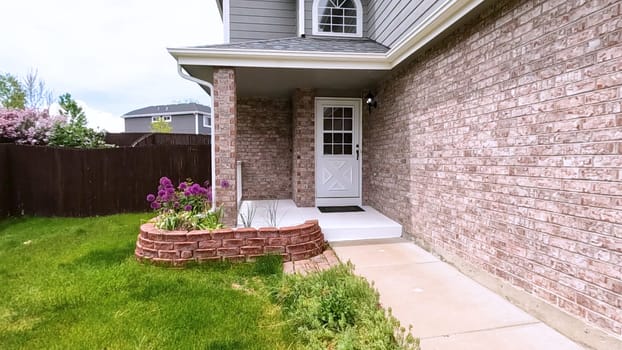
110	55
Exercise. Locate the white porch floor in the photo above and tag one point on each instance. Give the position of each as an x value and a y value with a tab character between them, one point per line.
369	224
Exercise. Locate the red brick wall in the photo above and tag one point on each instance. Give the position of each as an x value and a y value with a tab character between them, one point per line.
303	175
264	145
502	145
178	248
225	136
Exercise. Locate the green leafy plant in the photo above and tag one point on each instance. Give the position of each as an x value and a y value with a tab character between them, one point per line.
74	133
186	207
337	310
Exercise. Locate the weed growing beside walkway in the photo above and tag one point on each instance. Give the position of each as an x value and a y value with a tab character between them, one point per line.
74	283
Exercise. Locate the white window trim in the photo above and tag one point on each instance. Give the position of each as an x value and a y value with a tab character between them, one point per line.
209	125
165	118
359	22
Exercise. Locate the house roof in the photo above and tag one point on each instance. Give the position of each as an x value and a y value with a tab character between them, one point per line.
173	109
307	44
326	52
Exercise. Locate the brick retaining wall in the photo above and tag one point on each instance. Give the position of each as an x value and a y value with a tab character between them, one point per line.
242	244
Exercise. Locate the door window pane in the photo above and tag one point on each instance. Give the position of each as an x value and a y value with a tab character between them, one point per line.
338	130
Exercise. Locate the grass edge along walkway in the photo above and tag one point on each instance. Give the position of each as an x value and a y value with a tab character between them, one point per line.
74	283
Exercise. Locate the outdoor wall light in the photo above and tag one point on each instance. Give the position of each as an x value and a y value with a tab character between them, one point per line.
370	101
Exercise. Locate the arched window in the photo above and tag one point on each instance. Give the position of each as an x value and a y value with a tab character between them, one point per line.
337	17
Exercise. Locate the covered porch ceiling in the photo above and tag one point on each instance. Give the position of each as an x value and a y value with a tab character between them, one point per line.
281	82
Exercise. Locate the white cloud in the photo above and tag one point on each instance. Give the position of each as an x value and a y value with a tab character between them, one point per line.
109	53
95	118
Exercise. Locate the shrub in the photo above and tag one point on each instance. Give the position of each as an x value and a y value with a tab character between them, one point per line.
186	207
337	310
75	133
77	136
27	126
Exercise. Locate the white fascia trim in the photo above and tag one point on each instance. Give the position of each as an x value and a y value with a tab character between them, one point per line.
226	21
280	59
301	18
158	114
446	15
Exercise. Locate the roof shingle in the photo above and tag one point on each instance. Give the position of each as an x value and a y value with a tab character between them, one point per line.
169	109
307	44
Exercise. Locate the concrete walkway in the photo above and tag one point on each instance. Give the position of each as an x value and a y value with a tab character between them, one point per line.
447	309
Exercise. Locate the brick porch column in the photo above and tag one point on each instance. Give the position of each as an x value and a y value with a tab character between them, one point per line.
224	121
303	141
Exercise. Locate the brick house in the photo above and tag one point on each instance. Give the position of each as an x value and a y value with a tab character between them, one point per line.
493	132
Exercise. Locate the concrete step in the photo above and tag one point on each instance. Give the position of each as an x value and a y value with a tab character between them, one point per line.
337	227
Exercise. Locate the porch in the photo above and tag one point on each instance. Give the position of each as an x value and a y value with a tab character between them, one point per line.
368	224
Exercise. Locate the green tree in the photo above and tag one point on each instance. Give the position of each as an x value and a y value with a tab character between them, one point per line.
161	126
74	133
71	109
12	94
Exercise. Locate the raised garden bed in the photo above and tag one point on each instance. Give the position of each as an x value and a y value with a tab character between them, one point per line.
178	248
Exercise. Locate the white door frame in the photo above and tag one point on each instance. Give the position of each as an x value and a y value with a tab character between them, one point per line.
357	140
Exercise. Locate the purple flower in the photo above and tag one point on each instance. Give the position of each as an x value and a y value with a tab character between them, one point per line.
224	184
176	205
165	181
170	190
194	189
187	207
161	193
150	197
183	186
155	205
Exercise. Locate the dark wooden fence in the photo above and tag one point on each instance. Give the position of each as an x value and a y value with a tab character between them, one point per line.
50	181
141	139
5	183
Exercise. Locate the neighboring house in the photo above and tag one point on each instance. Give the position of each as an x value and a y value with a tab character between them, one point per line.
185	118
494	136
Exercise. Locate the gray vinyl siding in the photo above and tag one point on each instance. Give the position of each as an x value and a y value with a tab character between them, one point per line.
257	20
182	124
204	130
309	16
390	20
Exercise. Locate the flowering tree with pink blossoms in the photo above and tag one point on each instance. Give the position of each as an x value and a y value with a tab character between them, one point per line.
27	126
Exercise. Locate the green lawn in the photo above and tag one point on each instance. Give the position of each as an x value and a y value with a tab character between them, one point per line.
74	284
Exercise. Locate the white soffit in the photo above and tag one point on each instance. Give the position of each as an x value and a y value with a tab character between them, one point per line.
446	15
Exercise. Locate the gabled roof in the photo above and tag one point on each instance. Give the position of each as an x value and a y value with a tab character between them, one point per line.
307	44
173	109
329	52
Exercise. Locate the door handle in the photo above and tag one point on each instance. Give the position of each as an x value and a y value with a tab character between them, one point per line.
357	154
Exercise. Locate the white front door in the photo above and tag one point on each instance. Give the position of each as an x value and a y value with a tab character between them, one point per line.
338	151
